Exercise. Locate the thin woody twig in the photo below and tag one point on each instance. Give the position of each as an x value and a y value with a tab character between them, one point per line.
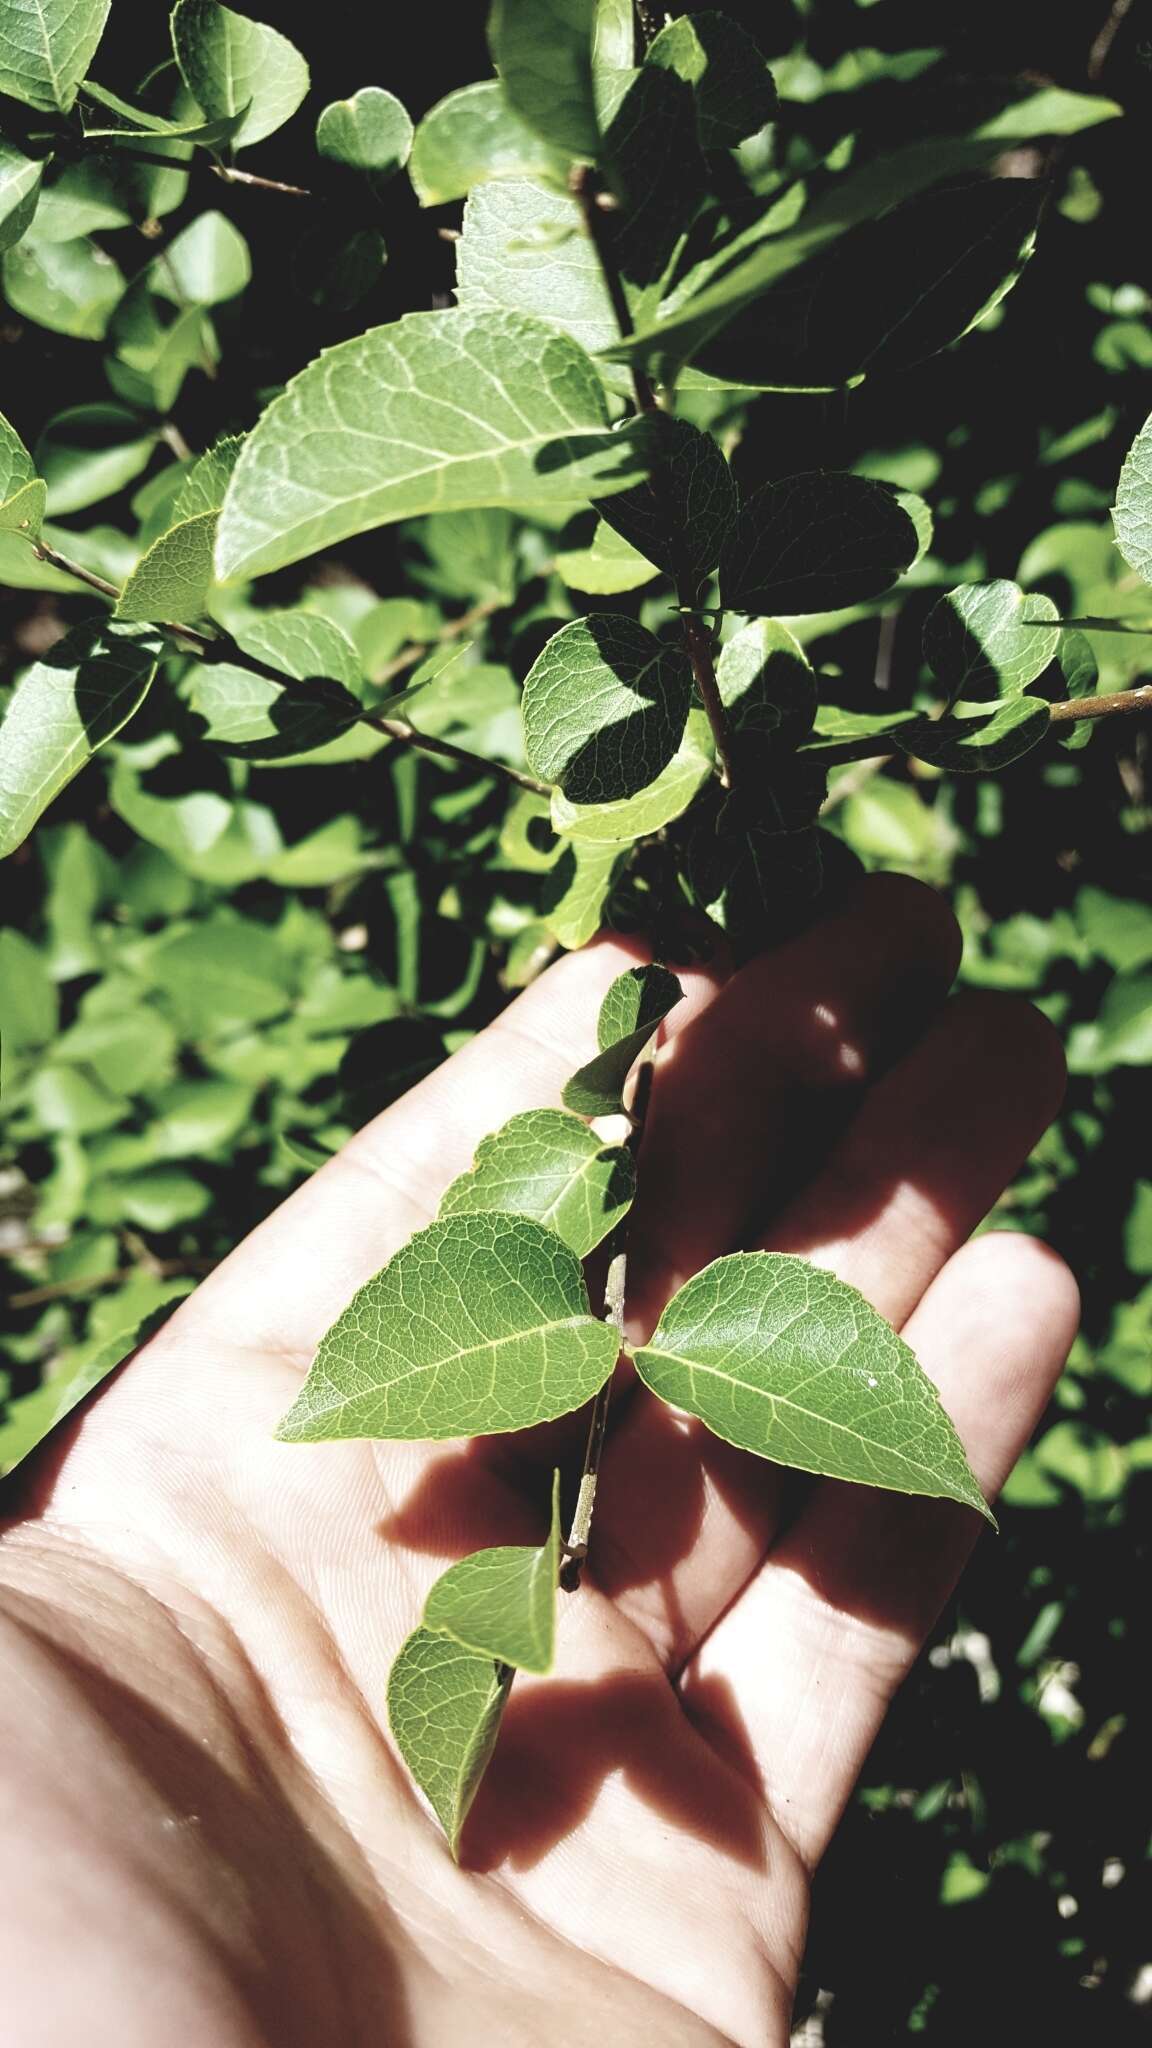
576	1547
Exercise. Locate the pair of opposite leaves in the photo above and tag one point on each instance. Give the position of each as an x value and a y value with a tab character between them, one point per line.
481	1323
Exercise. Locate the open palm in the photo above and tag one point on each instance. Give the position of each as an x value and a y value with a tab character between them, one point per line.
207	1837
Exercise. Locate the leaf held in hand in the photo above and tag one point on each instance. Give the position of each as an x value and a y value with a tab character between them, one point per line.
502	1602
634	1007
785	1360
547	1164
478	1325
444	1709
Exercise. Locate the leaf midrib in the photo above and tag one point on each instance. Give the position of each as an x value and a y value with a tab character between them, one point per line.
694	1365
448	1358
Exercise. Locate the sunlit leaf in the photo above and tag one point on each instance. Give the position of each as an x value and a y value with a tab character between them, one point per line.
988	640
785	1360
502	1602
633	1009
63	708
444	1709
543	52
1132	512
20	178
46	47
371	132
548	1164
478	1324
475	135
229	63
605	705
438	411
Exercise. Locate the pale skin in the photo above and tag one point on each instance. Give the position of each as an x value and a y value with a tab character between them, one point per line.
205	1835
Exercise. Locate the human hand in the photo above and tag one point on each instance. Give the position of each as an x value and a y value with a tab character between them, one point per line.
207	1836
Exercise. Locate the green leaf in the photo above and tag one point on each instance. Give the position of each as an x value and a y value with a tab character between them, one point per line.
982	738
204	265
223	972
1132	512
634	1007
23	513
682	514
605	705
816	543
732	86
230	63
20	178
29	1007
543	52
547	1164
988	640
502	1603
444	1709
523	247
134	124
370	132
578	889
479	1324
1118	928
1124	1025
632	817
1081	672
205	484
173	577
655	168
250	714
473	136
46	47
69	287
437	412
791	1363
90	452
65	706
154	351
903	287
607	566
766	684
21	491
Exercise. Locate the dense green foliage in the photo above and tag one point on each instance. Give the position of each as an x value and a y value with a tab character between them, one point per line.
259	912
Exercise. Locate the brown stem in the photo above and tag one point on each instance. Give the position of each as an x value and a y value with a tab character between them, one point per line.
232	176
409	735
225	171
44	553
223	648
1119	704
698	643
576	1547
1101	49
